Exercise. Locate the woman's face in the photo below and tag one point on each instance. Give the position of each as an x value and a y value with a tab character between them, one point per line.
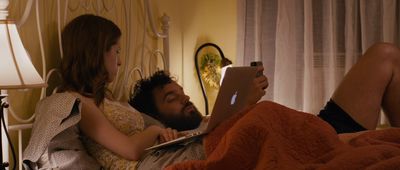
112	61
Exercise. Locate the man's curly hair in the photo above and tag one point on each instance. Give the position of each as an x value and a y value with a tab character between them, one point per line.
142	97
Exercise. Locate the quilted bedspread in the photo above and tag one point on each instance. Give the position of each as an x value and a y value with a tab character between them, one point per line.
272	136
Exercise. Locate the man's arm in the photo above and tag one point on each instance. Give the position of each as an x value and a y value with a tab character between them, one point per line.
260	83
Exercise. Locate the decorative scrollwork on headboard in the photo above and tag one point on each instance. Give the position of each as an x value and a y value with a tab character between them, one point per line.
68	9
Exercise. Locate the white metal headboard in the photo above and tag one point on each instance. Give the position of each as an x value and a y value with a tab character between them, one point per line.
99	7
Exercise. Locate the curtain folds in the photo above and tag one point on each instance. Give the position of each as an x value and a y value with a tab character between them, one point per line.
308	45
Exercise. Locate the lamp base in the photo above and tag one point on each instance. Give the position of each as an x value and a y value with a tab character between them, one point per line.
3	165
3	96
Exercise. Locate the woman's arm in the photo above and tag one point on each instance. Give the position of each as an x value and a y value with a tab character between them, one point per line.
96	126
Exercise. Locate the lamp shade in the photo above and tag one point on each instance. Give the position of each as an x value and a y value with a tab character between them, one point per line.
16	68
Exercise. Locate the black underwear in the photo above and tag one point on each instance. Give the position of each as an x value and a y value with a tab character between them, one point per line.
339	119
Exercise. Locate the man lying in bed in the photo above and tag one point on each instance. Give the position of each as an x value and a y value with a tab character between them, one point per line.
371	84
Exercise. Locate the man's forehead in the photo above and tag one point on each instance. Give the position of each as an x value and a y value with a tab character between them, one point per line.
166	89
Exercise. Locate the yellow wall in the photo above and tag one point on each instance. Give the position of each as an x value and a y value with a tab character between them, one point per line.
194	22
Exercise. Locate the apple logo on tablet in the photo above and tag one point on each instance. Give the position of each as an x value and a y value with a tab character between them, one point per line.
233	98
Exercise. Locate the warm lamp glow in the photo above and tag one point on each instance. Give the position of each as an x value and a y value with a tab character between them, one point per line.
223	70
224	63
17	70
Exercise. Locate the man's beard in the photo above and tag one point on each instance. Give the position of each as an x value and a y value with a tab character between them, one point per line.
184	121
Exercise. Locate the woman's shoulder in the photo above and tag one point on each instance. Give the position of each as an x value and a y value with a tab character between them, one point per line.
66	95
85	100
58	100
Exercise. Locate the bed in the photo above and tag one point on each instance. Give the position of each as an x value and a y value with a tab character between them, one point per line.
272	136
233	145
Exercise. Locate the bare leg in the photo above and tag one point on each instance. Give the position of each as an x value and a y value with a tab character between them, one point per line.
373	82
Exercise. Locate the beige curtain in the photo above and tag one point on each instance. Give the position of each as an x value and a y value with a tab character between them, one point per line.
308	45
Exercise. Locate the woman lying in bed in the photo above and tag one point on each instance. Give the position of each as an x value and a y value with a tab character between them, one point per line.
114	133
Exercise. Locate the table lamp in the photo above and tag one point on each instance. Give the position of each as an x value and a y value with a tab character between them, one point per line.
224	64
17	70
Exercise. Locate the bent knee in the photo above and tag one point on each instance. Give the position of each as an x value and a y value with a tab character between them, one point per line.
384	52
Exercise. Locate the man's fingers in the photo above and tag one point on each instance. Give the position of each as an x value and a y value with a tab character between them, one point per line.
262	82
265	83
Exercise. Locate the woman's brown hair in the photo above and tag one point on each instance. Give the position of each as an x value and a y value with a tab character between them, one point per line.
85	40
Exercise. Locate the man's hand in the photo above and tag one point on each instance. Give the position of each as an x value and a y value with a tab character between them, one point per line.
259	85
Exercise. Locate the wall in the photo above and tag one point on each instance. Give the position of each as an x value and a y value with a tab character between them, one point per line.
194	22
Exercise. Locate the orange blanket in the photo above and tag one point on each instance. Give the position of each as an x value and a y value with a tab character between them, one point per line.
272	136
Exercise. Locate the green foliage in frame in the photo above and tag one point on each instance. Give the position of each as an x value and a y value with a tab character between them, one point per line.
210	69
